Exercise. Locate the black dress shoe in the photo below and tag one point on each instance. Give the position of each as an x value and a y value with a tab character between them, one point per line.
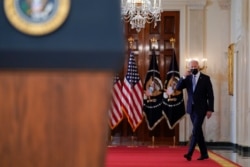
188	157
203	157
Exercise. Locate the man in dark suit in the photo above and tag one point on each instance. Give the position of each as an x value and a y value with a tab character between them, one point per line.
200	104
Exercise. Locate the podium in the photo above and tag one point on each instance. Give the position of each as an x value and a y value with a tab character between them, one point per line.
55	89
53	118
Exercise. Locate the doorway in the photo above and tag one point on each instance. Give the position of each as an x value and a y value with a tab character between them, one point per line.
166	34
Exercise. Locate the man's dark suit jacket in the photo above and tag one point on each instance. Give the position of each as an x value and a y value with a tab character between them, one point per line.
202	99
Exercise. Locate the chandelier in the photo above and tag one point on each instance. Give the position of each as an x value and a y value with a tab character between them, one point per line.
140	12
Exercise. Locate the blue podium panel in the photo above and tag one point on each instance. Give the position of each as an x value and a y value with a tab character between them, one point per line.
91	37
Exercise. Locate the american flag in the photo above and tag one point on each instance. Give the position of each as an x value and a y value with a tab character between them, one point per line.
115	112
132	92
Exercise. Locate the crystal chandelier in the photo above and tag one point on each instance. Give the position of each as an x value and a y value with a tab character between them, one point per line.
140	12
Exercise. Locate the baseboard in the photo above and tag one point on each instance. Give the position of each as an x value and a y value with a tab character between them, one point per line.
244	151
241	150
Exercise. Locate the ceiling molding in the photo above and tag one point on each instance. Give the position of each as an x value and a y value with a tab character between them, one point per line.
192	4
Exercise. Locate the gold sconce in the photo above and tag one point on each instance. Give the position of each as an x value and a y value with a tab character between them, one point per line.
202	63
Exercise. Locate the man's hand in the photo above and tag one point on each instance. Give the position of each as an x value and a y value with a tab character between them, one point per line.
209	114
188	72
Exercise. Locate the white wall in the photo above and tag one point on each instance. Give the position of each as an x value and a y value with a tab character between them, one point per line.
240	36
208	27
217	41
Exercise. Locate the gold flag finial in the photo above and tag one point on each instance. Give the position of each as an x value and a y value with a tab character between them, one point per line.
172	41
130	40
154	43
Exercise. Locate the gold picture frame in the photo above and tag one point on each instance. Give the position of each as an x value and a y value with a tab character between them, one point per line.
230	68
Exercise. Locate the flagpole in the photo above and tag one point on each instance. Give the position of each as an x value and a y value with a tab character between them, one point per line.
172	41
174	141
133	75
133	140
110	140
153	140
131	40
155	79
173	103
153	136
115	112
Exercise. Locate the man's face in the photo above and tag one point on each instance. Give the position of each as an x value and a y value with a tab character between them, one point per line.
194	65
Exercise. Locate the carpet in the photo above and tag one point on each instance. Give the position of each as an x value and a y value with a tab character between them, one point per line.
123	156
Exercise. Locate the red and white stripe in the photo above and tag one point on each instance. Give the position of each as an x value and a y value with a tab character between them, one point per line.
132	103
115	112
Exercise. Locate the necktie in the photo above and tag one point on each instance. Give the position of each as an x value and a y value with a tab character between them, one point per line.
194	82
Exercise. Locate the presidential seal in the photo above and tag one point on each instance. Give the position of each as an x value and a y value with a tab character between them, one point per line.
36	17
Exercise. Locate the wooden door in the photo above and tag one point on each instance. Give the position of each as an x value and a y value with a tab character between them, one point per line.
165	30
